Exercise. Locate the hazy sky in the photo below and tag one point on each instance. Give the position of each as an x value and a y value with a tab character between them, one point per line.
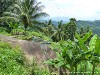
79	9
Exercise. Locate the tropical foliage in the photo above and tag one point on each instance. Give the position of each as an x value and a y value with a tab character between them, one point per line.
77	50
70	55
26	11
5	4
11	60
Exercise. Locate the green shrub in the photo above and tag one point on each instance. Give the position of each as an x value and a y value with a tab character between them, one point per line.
36	70
17	32
3	31
11	60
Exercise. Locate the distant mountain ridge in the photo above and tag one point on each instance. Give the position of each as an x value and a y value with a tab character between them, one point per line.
64	19
94	25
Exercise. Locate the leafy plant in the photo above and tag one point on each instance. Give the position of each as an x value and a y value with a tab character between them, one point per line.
3	31
36	70
70	54
11	60
27	12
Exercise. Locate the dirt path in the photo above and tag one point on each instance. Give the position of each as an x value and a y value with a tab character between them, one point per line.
30	48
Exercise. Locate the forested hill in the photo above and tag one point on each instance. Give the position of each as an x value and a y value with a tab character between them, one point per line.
94	25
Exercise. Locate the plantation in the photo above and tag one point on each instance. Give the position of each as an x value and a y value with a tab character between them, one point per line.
77	50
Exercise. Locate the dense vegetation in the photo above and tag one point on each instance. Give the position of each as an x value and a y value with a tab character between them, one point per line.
77	50
11	60
75	56
94	25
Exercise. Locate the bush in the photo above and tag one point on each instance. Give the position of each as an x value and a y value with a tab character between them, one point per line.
3	31
36	70
11	60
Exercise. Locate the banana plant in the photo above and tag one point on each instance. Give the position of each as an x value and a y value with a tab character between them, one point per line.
81	41
92	51
59	32
71	53
68	56
94	47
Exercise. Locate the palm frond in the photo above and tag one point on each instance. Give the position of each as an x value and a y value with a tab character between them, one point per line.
38	15
10	14
18	7
60	24
35	8
38	28
27	3
39	8
8	18
37	4
33	2
37	22
31	11
25	6
50	22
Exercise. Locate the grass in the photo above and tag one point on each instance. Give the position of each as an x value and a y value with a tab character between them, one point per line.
13	62
4	32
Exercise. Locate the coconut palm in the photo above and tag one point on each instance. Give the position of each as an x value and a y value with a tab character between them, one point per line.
5	4
26	11
48	28
59	33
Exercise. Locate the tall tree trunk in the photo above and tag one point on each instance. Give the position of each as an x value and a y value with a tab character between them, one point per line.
85	68
25	31
65	71
60	71
93	68
71	70
76	69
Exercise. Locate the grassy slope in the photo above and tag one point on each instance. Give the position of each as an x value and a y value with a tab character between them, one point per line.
11	60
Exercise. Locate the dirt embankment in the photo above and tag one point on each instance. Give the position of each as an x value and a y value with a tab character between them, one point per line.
31	49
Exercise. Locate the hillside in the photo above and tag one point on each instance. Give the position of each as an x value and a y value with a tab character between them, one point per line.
94	25
31	49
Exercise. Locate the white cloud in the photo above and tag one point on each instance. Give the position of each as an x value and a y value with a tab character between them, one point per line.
80	9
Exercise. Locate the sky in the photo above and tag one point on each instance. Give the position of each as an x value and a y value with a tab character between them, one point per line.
79	9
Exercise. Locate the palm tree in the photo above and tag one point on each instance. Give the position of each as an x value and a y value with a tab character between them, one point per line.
27	12
48	28
59	33
5	4
71	29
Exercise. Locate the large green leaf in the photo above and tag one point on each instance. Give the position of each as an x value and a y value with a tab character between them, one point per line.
92	42
81	42
55	45
59	64
87	35
50	62
97	47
